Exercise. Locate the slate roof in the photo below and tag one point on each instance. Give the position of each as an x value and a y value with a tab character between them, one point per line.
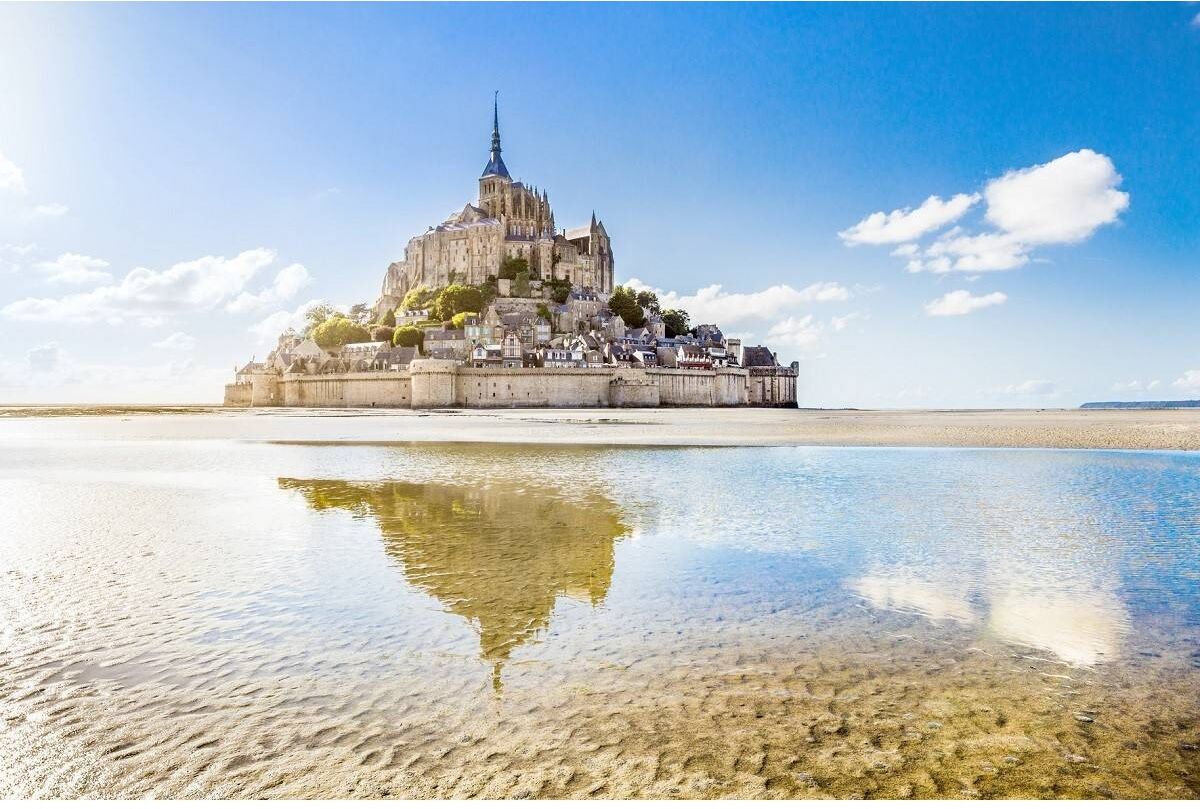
757	357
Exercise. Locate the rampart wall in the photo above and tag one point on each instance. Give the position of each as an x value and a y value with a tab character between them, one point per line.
430	383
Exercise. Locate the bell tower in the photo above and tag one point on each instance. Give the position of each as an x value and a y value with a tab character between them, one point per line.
495	181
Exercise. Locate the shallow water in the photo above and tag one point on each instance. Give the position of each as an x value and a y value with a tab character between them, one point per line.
191	618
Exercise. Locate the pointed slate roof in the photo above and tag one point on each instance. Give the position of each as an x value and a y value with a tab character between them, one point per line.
495	166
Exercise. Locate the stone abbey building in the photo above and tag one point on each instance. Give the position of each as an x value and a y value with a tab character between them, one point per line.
550	345
510	219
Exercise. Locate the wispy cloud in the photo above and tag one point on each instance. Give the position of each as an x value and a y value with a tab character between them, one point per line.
48	210
1136	386
276	323
149	297
907	224
288	282
74	268
12	179
51	373
712	304
1189	382
840	323
176	341
1031	387
962	302
796	333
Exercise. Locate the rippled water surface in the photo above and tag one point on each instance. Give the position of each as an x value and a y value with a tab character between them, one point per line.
221	618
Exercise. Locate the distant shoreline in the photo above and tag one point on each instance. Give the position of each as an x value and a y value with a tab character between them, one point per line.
1151	429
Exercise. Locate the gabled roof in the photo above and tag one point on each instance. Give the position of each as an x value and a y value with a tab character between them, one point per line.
757	357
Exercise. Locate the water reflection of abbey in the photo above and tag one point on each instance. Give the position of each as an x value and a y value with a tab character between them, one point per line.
499	556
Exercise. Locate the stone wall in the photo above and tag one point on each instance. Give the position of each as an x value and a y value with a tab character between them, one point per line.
723	387
519	387
383	389
772	387
238	395
431	383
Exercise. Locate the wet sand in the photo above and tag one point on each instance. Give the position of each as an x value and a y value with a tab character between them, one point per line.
1059	429
209	618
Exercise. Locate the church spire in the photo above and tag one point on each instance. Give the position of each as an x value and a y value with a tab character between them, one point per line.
495	162
496	122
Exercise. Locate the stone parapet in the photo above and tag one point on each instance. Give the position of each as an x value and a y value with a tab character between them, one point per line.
433	383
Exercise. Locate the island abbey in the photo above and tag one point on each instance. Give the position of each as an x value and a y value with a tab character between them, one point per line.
510	220
499	307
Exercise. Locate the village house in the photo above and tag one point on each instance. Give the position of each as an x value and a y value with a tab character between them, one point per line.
560	357
447	343
474	329
692	357
512	353
407	317
486	356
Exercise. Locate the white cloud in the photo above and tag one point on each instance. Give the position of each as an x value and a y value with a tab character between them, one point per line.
1196	21
288	281
275	324
48	209
176	341
45	358
986	251
49	373
962	302
73	268
11	177
907	224
1136	386
1189	382
794	332
1060	202
711	304
1032	387
148	296
840	323
11	256
1063	201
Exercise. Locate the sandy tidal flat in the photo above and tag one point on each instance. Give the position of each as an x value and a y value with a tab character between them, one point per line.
1060	429
191	611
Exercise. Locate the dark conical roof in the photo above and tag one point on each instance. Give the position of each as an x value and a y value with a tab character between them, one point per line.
495	165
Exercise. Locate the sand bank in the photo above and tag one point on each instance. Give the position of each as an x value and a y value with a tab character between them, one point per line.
1074	429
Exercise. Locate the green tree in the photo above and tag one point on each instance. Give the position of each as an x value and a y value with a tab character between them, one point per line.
380	332
459	321
559	288
457	298
544	312
388	319
419	297
649	301
490	290
408	336
316	315
623	302
676	321
360	313
520	285
511	267
339	330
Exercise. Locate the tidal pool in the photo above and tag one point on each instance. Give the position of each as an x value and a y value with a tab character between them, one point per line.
212	618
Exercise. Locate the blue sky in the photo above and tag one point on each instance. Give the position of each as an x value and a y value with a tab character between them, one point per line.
163	169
